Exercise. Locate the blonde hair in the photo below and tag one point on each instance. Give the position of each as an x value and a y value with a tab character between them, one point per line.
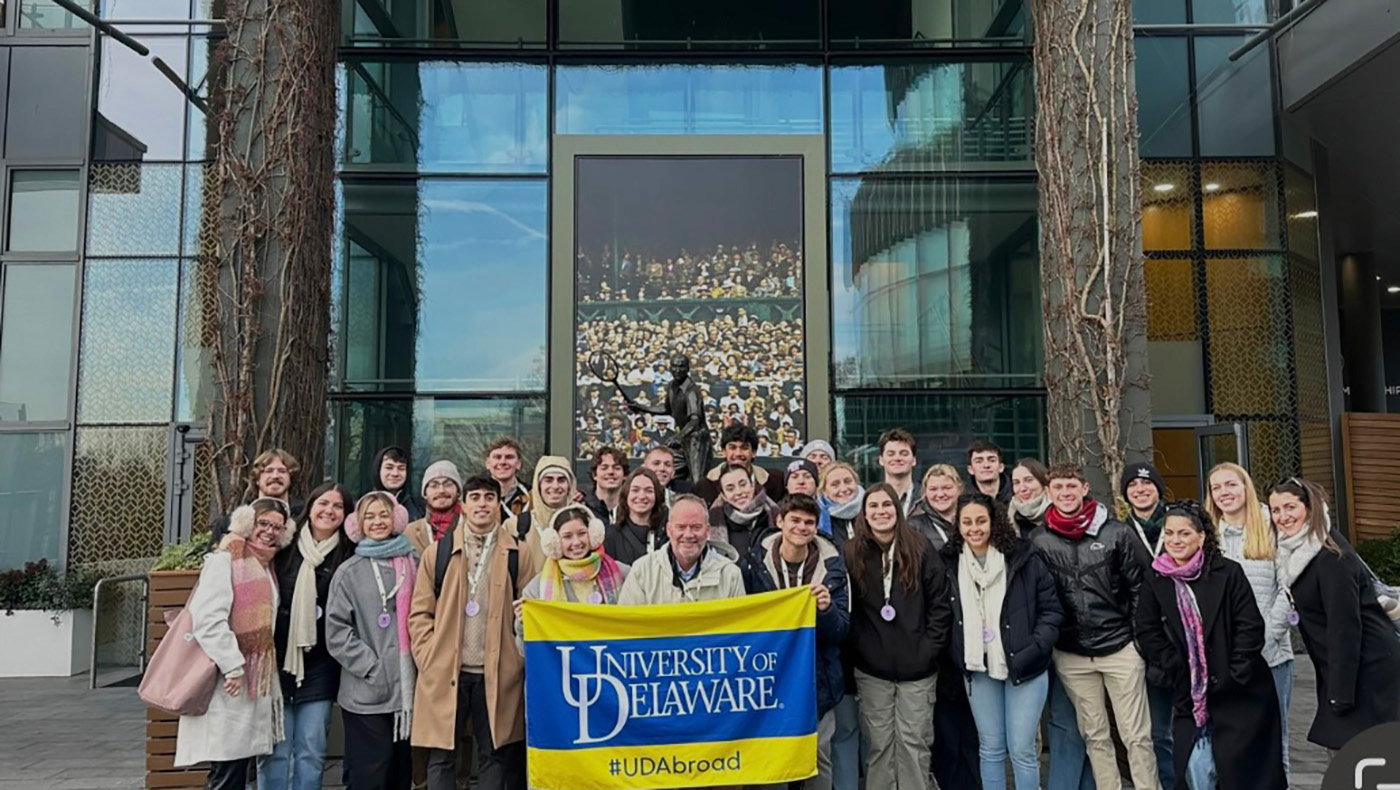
832	467
1258	532
942	470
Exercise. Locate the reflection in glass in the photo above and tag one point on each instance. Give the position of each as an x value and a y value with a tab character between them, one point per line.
688	99
1234	100
1244	12
943	425
145	9
477	22
43	210
31	496
206	70
36	337
713	23
126	361
713	270
1158	12
445	285
443	116
1168	206
140	114
932	116
46	15
935	283
459	430
925	23
1164	96
194	380
134	209
1241	205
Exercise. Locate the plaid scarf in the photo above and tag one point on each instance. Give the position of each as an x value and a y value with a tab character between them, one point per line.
442	523
1190	623
251	617
597	567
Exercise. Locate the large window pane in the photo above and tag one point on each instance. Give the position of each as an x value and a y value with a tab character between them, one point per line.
515	23
42	123
1234	100
441	116
43	210
713	271
688	99
1173	340
126	363
1168	206
1164	96
31	496
935	283
140	114
46	15
134	209
943	426
1159	12
924	23
36	342
685	25
1241	205
459	430
932	116
445	285
1254	12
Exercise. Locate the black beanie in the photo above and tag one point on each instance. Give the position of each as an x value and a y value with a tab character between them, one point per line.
1141	471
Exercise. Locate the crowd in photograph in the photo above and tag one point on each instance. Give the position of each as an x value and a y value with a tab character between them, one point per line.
728	272
956	609
746	369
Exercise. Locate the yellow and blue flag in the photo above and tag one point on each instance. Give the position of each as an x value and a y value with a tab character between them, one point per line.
681	695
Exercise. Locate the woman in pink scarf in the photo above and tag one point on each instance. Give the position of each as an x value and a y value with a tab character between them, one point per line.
1202	634
577	569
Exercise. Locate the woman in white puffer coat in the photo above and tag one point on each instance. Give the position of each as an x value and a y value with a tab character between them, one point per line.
1247	537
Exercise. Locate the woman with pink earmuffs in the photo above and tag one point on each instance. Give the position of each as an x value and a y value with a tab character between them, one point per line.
367	632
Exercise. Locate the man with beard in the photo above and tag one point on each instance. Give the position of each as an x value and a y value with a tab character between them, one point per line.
442	490
272	474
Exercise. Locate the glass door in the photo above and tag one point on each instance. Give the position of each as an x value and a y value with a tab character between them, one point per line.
1219	443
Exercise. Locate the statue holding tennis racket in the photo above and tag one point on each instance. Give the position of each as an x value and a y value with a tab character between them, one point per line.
684	404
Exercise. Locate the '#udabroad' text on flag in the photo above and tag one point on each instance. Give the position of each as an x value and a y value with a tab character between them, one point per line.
684	695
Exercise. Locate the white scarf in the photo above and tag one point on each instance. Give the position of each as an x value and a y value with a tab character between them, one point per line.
983	589
1293	555
301	630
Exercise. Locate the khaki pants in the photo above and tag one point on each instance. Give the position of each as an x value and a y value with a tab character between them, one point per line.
897	718
1124	675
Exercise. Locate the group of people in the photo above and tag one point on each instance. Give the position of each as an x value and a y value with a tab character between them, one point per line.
954	612
751	368
726	273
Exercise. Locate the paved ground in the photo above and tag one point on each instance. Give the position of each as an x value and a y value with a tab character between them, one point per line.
60	736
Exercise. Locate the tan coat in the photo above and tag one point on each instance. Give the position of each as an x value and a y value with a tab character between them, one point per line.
420	533
435	628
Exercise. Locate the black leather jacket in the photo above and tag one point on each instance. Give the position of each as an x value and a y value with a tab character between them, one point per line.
1097	578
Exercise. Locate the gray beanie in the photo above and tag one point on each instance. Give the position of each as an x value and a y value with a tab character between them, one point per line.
439	469
818	444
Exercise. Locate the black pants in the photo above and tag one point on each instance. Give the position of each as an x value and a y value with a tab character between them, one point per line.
374	760
956	763
232	775
497	769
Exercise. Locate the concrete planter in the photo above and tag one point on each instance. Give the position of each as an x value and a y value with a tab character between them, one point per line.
45	644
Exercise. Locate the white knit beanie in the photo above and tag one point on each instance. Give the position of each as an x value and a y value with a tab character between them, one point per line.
440	469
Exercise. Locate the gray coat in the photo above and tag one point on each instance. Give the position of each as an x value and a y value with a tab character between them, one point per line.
1263	582
368	654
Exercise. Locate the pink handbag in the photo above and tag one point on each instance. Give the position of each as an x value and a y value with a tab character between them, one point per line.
180	677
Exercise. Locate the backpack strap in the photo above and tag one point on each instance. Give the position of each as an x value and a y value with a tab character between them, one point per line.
522	525
444	556
513	564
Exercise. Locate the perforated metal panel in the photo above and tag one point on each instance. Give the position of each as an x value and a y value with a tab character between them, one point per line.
118	509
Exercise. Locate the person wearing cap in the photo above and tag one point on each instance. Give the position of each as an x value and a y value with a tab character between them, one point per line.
576	569
470	678
1145	492
801	477
367	633
442	491
819	452
553	487
392	473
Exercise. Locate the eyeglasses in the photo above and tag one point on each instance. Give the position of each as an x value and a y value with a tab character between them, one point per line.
265	524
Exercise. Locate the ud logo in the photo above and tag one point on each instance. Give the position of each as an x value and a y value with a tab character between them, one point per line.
583	691
1096	546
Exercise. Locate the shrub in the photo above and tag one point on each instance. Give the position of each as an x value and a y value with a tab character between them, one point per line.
184	556
40	587
1383	555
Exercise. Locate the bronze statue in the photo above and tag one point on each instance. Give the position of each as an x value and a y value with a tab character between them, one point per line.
692	444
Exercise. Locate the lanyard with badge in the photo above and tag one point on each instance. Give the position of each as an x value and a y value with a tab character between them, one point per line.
887	611
473	578
384	618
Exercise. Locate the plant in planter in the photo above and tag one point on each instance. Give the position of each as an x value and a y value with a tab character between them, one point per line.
187	555
48	612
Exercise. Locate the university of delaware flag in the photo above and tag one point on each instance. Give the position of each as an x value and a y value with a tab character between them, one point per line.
682	695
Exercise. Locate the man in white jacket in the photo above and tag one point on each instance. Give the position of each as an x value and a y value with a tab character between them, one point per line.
690	567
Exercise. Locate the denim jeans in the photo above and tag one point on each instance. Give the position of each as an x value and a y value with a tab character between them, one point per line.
1159	706
1007	716
1069	756
297	761
845	745
1200	768
1283	683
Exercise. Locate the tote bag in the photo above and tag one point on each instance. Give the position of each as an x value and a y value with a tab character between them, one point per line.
181	677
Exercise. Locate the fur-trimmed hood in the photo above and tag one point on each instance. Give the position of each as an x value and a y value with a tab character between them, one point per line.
240	522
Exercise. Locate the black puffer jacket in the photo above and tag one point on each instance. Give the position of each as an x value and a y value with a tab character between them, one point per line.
1097	578
1030	613
416	507
932	526
906	648
322	677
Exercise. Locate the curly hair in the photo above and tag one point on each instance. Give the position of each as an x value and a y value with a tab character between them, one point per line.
1003	536
1201	519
